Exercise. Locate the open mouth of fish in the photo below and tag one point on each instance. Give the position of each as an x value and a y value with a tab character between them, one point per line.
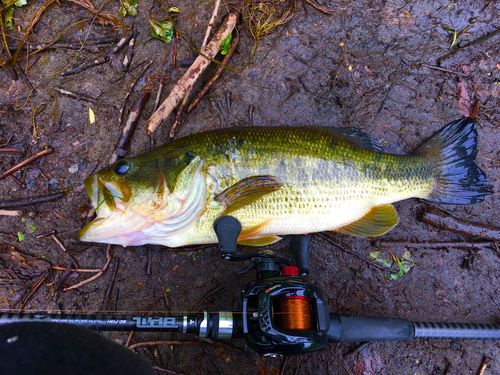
111	210
163	217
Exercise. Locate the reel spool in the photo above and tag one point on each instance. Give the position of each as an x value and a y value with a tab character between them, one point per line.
293	313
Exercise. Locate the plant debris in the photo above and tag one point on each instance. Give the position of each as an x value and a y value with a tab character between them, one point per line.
393	262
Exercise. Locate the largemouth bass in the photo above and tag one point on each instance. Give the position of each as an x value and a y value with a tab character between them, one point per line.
277	181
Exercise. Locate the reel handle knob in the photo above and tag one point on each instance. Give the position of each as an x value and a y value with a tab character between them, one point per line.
227	229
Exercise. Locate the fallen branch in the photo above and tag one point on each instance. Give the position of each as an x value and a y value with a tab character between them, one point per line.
433	245
216	75
76	96
108	257
130	50
187	81
128	129
10	213
48	151
28	201
77	269
443	220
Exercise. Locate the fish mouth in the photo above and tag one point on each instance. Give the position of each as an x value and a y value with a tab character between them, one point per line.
107	200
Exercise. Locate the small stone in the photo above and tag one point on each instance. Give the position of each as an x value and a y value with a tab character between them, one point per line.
73	169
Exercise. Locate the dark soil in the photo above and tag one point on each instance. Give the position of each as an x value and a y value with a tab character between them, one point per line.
359	67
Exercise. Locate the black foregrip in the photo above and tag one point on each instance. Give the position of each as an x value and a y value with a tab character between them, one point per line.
347	328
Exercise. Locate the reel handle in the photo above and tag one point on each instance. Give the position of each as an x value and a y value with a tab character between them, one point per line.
227	229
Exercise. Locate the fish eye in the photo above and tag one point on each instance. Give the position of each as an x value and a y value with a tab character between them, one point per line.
122	167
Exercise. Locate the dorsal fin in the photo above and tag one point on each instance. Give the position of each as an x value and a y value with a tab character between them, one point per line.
357	136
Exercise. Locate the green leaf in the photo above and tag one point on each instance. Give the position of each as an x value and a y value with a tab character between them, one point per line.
226	45
32	228
123	12
20	236
174	10
9	15
167	290
129	7
20	3
162	30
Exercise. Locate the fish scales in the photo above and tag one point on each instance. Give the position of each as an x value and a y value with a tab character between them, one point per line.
278	181
324	175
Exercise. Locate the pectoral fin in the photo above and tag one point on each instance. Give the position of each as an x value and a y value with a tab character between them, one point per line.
253	236
247	191
378	221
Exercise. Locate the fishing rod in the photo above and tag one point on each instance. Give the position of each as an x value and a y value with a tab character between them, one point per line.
282	314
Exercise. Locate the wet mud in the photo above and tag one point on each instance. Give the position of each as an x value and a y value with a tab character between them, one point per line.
369	65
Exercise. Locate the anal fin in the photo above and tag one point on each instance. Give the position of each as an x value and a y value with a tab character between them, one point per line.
253	236
378	221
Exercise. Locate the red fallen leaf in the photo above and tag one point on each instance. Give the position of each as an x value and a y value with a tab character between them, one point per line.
488	90
474	112
464	102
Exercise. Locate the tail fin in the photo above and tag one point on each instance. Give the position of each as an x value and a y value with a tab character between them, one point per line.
453	151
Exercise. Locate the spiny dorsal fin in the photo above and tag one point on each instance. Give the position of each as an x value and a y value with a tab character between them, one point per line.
357	136
247	191
378	221
253	236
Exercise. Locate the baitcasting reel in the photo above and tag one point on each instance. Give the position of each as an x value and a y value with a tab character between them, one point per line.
282	314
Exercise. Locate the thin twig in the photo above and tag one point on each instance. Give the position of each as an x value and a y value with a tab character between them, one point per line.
214	361
210	25
10	151
130	50
179	113
90	270
58	242
148	343
110	287
108	257
210	293
101	59
433	245
484	364
76	96
32	290
120	150
443	220
129	91
48	151
319	7
445	70
344	248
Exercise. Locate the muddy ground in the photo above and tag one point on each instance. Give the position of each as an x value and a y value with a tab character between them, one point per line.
360	66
